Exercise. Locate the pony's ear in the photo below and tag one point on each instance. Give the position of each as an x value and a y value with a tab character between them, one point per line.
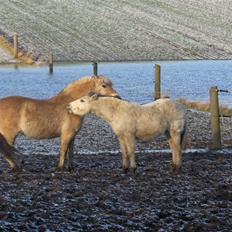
94	96
91	93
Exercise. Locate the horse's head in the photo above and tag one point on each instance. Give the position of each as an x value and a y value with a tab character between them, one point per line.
82	106
103	86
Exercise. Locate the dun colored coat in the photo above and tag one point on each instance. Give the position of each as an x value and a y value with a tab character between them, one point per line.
131	121
43	119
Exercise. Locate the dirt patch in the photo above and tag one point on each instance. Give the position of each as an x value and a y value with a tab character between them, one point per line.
98	197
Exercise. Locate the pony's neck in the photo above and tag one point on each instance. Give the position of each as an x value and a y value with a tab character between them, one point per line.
103	109
73	92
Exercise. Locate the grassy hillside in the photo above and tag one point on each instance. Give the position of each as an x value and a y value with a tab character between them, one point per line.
120	30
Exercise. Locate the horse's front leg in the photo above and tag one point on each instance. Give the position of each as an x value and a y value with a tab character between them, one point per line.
66	141
70	155
71	126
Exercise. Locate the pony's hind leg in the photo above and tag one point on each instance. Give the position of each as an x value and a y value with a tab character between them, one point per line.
175	144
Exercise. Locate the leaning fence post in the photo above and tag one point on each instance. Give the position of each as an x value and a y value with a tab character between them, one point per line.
215	118
157	81
94	68
15	42
50	63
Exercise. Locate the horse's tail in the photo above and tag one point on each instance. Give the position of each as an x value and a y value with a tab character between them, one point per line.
183	137
5	147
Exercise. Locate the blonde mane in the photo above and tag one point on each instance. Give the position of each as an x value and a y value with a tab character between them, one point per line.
85	80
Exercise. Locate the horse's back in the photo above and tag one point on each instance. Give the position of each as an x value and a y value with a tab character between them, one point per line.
173	112
169	107
10	108
159	116
35	118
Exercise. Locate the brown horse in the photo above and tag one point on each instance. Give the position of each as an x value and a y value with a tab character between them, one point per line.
43	119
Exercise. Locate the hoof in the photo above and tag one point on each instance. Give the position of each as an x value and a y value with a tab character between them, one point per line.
125	170
60	168
176	169
16	169
71	169
133	171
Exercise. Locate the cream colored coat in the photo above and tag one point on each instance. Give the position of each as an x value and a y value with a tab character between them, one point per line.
130	121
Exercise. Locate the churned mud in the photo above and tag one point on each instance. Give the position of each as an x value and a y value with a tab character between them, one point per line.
97	196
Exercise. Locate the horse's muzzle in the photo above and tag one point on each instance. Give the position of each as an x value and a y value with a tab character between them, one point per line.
117	96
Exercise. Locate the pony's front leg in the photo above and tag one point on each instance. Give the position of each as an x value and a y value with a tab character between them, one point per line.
125	158
130	148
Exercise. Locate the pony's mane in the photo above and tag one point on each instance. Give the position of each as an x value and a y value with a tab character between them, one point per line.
84	80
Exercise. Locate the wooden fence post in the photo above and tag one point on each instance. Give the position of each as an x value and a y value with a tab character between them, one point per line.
157	81
50	63
95	68
15	42
215	119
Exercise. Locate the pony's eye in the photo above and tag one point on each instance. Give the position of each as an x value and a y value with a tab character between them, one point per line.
82	100
104	86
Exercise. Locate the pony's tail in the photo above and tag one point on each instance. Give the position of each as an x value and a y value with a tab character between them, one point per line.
5	147
183	138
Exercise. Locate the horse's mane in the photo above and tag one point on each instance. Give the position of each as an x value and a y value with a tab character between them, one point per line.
84	80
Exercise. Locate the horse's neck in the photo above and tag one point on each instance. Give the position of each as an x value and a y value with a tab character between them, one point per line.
72	94
103	109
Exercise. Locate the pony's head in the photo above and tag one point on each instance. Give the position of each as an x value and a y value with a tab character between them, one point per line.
82	106
103	86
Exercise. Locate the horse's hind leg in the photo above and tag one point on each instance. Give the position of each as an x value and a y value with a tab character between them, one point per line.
6	149
174	140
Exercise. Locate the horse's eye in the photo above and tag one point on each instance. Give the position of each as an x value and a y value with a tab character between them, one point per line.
82	100
104	86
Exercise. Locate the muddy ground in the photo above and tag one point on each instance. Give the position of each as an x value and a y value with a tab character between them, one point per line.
97	196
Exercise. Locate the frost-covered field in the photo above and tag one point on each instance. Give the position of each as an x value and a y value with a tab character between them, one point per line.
121	30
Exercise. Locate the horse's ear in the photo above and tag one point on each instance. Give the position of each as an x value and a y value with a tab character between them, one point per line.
94	76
